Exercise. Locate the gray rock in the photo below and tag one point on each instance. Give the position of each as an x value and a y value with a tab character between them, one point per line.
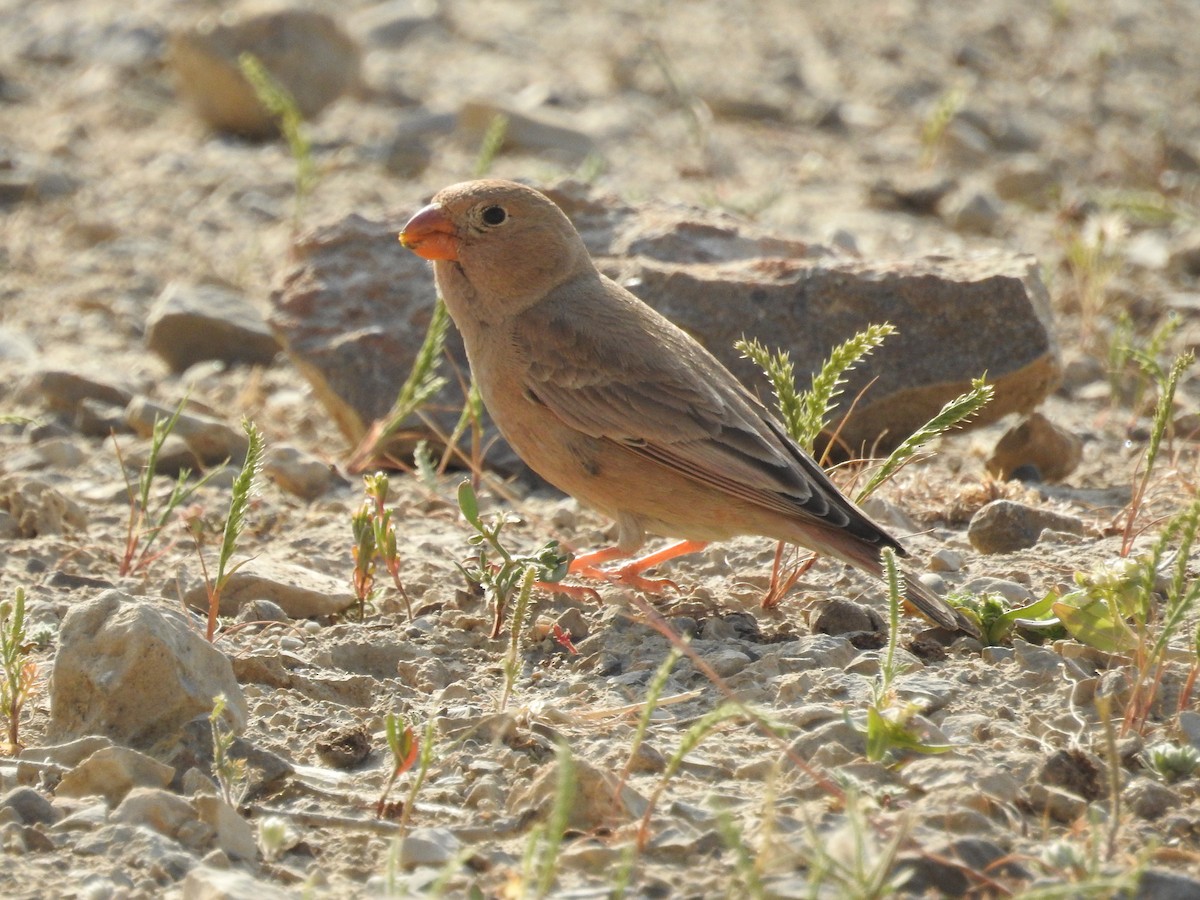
233	833
1003	526
30	806
917	194
135	671
1030	180
595	801
945	560
211	440
1156	884
1014	594
63	391
389	23
941	871
68	754
302	593
840	616
1150	799
299	473
979	212
38	508
351	313
112	772
1058	804
191	323
307	53
428	847
1038	447
208	883
524	133
155	808
16	346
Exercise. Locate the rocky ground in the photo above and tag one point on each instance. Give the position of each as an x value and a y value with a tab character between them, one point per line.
904	130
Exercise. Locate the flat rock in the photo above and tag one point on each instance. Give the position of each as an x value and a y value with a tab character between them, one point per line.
155	808
299	473
351	311
135	671
1003	526
208	883
234	834
307	53
39	508
191	323
302	593
1036	449
112	772
211	440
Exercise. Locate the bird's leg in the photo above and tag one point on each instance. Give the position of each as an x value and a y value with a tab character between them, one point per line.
781	582
588	565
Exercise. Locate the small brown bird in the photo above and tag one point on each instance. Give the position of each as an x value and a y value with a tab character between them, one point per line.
615	405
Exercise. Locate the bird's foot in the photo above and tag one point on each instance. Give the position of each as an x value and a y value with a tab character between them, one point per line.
630	574
574	591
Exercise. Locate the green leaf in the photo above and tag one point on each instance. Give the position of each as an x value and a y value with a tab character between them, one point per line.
468	503
1094	621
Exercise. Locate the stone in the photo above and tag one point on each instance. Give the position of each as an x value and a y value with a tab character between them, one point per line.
64	390
920	195
298	472
233	833
595	800
1150	799
302	593
1035	443
941	871
38	508
30	806
111	773
351	314
209	883
155	808
433	847
307	53
1030	180
945	560
1003	526
1156	884
524	133
137	672
391	22
211	440
191	323
840	616
979	212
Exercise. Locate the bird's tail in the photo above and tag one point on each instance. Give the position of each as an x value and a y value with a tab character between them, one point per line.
866	557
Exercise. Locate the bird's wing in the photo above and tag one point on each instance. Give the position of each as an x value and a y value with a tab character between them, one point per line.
634	378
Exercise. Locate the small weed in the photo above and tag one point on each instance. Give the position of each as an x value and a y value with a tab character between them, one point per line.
888	725
232	774
936	124
276	836
244	487
406	751
850	861
279	102
147	519
374	542
421	386
498	580
545	841
1171	762
490	145
20	672
512	659
1091	259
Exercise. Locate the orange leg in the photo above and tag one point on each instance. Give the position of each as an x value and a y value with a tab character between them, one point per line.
588	566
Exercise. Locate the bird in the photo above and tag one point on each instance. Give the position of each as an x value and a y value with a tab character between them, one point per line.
615	405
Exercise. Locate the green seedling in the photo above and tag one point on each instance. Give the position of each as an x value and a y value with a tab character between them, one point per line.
375	542
490	145
500	578
244	488
1167	381
997	621
275	837
406	751
545	841
20	672
512	659
232	775
937	123
850	861
422	385
887	724
148	519
278	101
1171	762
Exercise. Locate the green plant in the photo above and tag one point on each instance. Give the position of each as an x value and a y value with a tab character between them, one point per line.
512	659
406	751
20	672
375	541
936	124
279	102
888	724
805	416
849	861
421	386
1170	761
545	841
146	518
499	579
275	837
1091	258
490	145
244	487
1167	380
232	774
744	859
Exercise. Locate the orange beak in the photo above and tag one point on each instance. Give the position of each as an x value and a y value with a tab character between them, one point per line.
430	234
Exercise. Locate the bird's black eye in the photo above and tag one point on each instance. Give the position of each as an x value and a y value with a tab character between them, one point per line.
494	215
